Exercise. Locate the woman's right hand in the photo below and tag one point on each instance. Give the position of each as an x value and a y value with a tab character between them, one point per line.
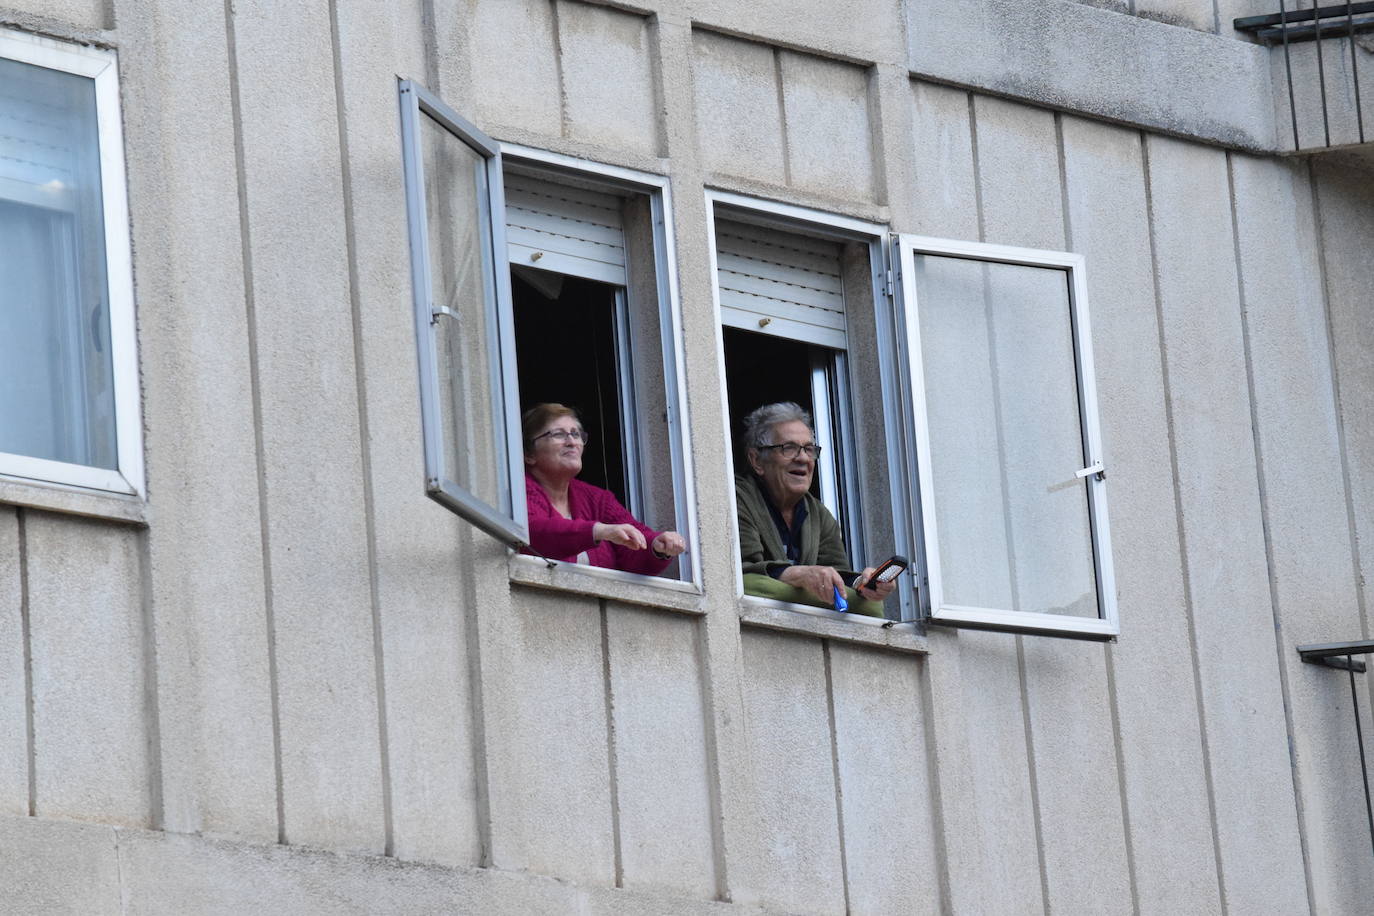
624	535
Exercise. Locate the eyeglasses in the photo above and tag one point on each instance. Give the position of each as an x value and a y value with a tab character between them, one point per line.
563	435
790	450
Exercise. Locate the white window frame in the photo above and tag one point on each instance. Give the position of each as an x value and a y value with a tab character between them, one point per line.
658	189
507	521
803	219
1106	626
100	67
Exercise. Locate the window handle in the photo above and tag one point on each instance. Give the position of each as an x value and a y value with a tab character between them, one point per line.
1095	468
441	310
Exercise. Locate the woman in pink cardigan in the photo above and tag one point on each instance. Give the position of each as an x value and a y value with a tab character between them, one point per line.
574	521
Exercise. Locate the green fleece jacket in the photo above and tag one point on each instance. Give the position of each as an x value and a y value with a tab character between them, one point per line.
760	545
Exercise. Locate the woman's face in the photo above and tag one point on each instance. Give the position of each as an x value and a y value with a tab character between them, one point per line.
557	449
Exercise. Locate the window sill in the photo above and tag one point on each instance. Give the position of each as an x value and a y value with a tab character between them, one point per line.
611	584
53	497
818	622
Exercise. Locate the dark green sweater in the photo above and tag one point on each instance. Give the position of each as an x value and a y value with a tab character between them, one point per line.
760	545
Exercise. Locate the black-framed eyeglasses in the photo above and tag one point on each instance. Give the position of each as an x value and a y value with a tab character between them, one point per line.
563	435
790	450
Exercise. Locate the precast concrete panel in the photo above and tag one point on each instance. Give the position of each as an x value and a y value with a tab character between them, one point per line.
797	867
515	69
945	198
1312	566
1164	779
421	615
1223	536
609	77
829	126
863	29
1345	194
205	550
91	727
884	782
550	770
1315	82
1074	57
85	14
14	688
1190	14
331	776
58	867
738	107
663	791
1073	755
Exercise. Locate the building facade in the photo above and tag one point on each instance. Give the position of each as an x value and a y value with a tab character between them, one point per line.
264	642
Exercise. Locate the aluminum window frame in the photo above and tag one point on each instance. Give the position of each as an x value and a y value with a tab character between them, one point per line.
507	522
1106	625
795	218
101	67
658	190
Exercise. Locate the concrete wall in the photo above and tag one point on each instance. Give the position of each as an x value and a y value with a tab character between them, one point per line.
292	680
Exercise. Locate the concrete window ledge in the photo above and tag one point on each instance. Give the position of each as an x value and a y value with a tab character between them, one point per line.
818	622
114	507
611	584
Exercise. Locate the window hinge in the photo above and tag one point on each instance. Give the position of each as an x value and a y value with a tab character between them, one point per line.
1095	469
891	289
439	310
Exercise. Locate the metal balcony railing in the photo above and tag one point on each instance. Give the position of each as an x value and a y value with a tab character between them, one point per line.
1341	655
1327	72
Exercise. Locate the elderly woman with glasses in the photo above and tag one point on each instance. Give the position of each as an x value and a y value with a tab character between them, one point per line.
575	521
789	542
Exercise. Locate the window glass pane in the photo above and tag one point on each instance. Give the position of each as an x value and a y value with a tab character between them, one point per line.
1005	437
460	248
56	375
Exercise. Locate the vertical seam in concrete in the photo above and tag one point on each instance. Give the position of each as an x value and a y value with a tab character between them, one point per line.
655	31
1032	773
608	698
364	436
782	117
255	384
429	28
26	634
1262	492
1185	566
1216	17
119	871
713	756
156	813
1324	274
481	773
1113	702
556	29
835	769
874	104
937	796
977	177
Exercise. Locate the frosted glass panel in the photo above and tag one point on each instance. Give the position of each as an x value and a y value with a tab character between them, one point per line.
56	375
1005	437
460	252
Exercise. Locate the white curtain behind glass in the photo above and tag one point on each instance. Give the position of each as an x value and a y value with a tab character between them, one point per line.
56	384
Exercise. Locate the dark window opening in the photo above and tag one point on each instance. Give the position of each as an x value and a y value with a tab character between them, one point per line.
762	369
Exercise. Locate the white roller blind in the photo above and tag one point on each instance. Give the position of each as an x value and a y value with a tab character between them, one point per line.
569	230
777	282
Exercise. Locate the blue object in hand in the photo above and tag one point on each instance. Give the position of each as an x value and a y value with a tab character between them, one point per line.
840	603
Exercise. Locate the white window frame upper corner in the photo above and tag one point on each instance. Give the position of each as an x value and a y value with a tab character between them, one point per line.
876	236
1107	625
101	67
658	188
513	528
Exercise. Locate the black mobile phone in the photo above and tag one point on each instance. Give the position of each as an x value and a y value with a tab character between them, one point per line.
891	568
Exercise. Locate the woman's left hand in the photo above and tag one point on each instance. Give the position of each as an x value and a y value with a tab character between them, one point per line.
669	544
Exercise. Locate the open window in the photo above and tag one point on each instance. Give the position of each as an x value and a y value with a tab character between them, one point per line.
539	278
68	368
1010	463
804	312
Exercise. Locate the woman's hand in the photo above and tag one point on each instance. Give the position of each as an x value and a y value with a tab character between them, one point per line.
820	581
624	535
874	591
669	544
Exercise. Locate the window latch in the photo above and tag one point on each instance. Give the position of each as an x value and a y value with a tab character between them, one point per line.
442	310
1096	470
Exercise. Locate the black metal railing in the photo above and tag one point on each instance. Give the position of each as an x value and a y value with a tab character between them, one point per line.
1341	655
1334	65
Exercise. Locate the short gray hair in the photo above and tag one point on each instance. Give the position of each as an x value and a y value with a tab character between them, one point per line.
758	426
